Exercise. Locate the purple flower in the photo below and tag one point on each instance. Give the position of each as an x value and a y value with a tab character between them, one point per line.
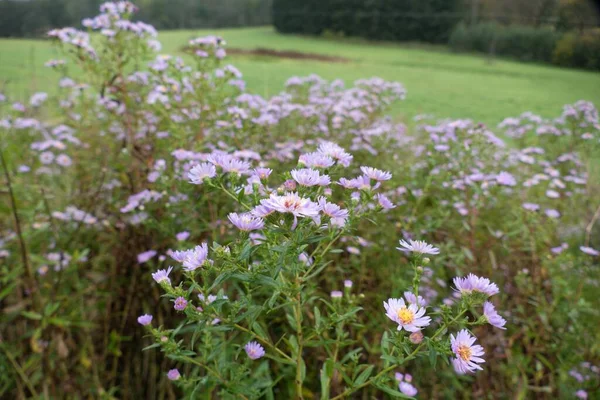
504	178
494	319
246	222
336	294
229	163
145	256
551	213
336	152
180	303
263	173
410	318
181	236
194	258
64	160
418	246
408	389
376	174
348	283
173	374
581	394
337	214
316	160
145	319
310	177
468	356
254	350
589	250
293	204
531	206
162	275
362	182
200	172
384	202
412	299
472	283
559	249
46	157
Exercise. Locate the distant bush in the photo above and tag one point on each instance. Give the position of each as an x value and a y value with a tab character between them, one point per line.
520	42
575	50
413	20
530	44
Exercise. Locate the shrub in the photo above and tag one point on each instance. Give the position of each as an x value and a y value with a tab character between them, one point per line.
579	50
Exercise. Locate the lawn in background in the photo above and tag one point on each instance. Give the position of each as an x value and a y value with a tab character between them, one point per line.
438	82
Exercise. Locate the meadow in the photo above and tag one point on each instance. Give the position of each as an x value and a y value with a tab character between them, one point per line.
440	83
182	223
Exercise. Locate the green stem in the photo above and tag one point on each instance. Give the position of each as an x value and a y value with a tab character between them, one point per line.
299	334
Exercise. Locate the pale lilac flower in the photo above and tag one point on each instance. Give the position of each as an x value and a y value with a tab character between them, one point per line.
64	160
162	275
504	178
384	202
472	283
180	303
246	222
263	173
468	356
290	185
336	152
200	172
410	318
553	194
348	283
293	204
581	394
416	337
181	236
337	214
559	249
493	318
254	350
589	250
412	299
145	256
408	389
551	213
145	319
173	374
336	294
310	177
399	377
316	160
229	163
46	157
353	250
531	206
418	246
195	257
262	211
376	174
362	183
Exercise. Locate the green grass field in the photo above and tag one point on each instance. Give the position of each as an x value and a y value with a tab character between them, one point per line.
438	82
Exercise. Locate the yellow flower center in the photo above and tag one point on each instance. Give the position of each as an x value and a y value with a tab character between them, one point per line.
464	352
405	316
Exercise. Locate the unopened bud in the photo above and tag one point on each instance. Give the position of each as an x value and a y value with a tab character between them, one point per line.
426	260
416	337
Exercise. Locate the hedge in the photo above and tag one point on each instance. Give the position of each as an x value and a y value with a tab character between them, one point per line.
401	20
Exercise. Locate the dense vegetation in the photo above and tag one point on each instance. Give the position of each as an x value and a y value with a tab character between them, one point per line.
35	17
296	246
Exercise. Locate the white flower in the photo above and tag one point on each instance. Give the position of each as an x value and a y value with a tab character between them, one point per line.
418	246
410	317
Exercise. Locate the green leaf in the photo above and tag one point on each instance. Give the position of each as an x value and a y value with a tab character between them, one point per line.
31	315
362	378
326	374
392	392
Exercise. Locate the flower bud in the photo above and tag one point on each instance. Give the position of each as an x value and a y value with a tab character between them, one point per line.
416	337
426	261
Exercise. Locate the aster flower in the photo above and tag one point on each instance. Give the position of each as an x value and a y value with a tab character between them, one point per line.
348	283
337	214
362	182
410	318
336	294
412	299
589	250
173	374
418	246
376	174
531	206
262	211
506	179
293	204
145	256
254	350
263	173
310	177
180	303
200	172
162	275
384	202
195	257
581	394
181	236
336	152
472	283
316	160
246	222
145	319
492	316
551	213
468	356
408	389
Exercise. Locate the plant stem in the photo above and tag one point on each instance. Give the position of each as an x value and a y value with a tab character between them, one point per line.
300	336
